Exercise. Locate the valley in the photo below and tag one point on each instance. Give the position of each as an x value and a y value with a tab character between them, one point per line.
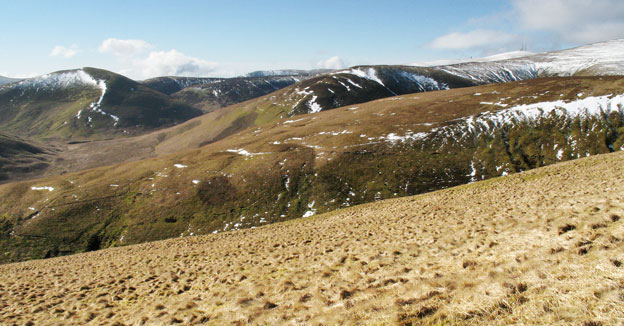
319	163
311	164
91	127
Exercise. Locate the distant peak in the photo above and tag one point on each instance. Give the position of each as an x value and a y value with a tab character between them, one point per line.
495	57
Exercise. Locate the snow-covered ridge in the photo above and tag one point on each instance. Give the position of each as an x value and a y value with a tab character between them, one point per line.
65	79
425	83
494	72
489	122
606	58
58	80
495	57
271	73
591	106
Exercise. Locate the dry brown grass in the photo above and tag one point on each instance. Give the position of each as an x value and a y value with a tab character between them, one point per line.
541	247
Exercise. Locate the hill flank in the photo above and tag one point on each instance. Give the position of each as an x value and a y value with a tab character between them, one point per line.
316	163
539	247
86	104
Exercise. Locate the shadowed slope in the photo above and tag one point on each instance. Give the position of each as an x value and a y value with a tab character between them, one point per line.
23	159
86	104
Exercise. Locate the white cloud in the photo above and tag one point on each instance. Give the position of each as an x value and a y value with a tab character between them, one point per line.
20	76
472	39
61	51
331	63
123	48
579	21
171	63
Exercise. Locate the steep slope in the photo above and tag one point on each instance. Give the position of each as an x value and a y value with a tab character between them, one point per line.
600	59
213	96
323	92
172	84
23	159
366	83
495	57
363	84
287	72
317	163
86	104
490	253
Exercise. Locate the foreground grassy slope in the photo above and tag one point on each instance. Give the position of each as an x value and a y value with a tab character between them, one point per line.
542	247
310	165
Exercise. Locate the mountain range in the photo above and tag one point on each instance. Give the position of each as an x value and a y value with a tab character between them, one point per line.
301	166
484	192
85	104
127	162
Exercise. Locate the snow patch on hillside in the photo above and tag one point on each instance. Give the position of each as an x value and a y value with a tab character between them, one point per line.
591	106
243	152
314	107
489	122
369	74
605	58
43	188
335	133
65	79
595	59
353	83
96	106
424	82
394	138
495	57
494	72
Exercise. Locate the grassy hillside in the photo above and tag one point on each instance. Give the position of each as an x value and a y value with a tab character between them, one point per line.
212	96
316	163
20	158
542	247
86	104
170	85
324	92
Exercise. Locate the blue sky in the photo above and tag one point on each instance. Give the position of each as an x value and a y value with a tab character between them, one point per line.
144	39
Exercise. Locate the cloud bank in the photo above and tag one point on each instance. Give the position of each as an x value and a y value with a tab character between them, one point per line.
63	52
472	39
331	63
172	63
131	53
552	22
577	21
123	48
